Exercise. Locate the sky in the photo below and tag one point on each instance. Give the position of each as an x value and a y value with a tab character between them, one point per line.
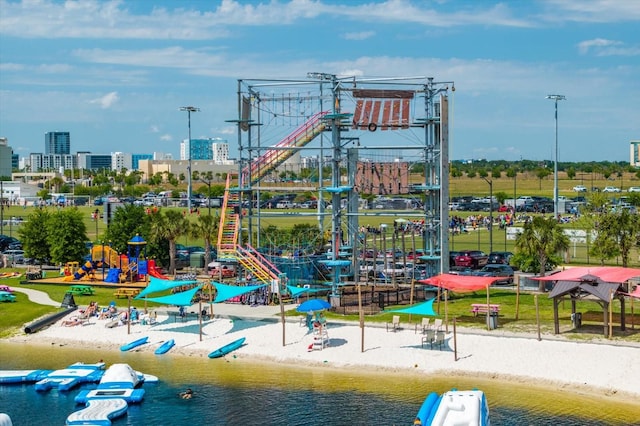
115	73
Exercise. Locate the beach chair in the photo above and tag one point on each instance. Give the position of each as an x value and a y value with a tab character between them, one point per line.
438	340
428	337
437	324
423	326
394	324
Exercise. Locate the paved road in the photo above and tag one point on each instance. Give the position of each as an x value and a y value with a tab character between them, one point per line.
37	296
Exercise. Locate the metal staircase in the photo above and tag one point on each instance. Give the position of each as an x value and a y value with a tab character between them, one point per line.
273	158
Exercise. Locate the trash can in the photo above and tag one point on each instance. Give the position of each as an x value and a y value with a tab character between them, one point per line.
576	319
196	260
492	320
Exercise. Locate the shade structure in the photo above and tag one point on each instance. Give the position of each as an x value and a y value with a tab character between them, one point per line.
425	308
297	291
178	299
313	305
610	274
157	285
460	283
225	292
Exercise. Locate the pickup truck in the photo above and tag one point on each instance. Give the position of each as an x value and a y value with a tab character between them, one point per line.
471	259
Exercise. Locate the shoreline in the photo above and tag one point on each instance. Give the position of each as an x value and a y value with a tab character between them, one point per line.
590	368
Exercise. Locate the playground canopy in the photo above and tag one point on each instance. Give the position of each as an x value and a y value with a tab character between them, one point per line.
460	283
225	292
156	285
297	291
424	308
182	298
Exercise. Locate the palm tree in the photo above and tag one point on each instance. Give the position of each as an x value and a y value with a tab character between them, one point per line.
205	227
542	238
170	226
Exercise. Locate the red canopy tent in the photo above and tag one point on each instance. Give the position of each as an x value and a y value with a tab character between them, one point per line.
463	284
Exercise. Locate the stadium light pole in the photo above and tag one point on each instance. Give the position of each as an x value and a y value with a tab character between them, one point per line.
189	110
556	98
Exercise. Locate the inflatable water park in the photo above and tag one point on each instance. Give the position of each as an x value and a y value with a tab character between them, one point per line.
118	386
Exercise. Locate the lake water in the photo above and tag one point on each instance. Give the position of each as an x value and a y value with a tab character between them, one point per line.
238	392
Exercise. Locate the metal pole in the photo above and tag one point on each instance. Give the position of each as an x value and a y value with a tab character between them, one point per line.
189	110
555	98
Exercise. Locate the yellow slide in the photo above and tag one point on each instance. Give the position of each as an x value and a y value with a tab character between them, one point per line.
111	257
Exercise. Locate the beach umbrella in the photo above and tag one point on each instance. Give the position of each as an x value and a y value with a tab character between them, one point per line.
313	305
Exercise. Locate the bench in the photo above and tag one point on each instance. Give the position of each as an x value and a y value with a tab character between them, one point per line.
5	296
126	292
481	308
83	290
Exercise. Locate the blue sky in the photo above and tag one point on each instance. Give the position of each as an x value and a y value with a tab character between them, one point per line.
114	73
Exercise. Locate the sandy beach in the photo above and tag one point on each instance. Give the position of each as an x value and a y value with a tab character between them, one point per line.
599	367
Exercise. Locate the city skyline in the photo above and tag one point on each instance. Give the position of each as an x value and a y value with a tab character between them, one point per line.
115	73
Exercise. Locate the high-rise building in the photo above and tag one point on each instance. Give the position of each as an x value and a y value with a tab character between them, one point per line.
201	149
135	159
634	159
57	143
120	160
6	158
220	149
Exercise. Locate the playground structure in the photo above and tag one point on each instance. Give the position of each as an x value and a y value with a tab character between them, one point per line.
338	118
131	267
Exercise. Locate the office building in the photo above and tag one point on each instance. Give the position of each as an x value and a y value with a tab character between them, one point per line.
57	143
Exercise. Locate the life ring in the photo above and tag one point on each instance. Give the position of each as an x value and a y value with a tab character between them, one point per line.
372	127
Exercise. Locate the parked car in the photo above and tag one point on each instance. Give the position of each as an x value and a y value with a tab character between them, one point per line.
452	258
13	256
505	272
499	257
634	189
378	277
580	188
471	259
611	189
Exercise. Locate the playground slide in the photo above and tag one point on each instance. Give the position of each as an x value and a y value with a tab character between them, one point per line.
85	269
155	272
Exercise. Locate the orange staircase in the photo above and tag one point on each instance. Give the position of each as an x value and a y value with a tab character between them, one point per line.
229	223
259	266
272	158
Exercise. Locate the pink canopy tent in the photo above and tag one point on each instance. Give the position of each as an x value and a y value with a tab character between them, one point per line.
575	283
612	274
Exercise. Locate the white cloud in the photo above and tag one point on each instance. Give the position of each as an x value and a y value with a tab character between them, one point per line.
106	101
166	137
604	47
154	129
362	35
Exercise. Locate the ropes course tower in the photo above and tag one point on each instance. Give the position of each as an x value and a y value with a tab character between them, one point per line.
369	136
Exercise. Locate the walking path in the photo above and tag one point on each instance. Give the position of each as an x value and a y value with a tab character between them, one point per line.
37	296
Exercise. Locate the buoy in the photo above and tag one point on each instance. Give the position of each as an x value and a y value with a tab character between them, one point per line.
372	127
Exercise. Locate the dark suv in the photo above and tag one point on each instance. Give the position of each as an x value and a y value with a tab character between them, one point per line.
500	257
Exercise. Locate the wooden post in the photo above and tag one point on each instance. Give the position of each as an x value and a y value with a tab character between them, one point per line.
200	316
517	281
361	318
455	341
535	299
129	314
488	309
446	311
280	278
610	314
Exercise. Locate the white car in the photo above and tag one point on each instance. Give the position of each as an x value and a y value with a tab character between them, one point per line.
634	189
611	189
580	188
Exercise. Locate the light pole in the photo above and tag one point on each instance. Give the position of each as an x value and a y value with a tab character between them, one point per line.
556	98
490	182
189	110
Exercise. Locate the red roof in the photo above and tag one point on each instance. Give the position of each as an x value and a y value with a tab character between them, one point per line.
611	274
459	283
